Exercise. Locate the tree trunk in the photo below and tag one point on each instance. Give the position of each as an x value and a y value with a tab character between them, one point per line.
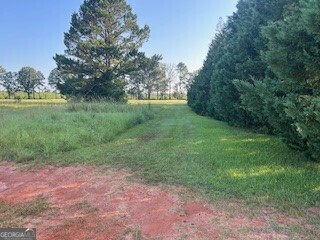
149	94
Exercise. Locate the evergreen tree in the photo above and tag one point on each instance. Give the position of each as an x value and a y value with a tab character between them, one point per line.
199	93
293	54
264	72
56	78
102	47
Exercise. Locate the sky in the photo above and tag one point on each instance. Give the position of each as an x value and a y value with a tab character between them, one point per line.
32	31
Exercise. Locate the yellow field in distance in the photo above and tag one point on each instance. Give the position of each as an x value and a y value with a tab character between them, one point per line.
30	102
42	102
158	102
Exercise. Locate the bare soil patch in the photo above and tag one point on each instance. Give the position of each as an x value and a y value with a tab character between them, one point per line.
88	203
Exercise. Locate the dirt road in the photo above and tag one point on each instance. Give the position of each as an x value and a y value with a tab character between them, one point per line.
91	203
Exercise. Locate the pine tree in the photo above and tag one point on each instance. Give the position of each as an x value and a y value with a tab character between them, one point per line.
102	47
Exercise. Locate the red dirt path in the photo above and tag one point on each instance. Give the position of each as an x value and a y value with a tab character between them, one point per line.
111	204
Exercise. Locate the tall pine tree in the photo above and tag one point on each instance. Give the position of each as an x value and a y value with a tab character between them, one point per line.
102	47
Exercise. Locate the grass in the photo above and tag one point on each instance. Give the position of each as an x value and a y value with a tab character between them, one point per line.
14	214
179	147
40	132
176	147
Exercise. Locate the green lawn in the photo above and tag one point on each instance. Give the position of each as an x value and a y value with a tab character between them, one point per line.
176	147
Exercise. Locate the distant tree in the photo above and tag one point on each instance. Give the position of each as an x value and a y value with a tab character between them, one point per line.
102	47
2	72
2	69
161	81
171	74
147	77
183	74
29	79
56	78
152	73
136	80
9	81
164	82
135	86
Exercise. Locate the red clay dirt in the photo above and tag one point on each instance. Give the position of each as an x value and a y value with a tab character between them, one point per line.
88	203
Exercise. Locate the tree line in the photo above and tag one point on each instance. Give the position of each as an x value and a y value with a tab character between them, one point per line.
27	80
151	80
262	72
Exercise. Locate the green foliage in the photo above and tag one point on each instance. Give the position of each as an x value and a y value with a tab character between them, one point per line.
293	54
9	81
199	96
39	95
304	112
29	79
263	68
102	48
184	77
56	78
147	77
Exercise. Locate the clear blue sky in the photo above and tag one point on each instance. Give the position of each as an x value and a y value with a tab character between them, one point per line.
181	30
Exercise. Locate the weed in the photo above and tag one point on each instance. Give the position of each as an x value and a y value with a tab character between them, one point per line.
14	214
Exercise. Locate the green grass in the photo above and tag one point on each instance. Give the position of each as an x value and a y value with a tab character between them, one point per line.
179	147
40	132
176	147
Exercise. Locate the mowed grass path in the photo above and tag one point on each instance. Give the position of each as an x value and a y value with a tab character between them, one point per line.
180	147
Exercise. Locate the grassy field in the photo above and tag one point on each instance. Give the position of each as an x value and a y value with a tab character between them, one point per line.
43	102
40	132
176	147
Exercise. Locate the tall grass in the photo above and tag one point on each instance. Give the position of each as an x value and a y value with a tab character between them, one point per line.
39	132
